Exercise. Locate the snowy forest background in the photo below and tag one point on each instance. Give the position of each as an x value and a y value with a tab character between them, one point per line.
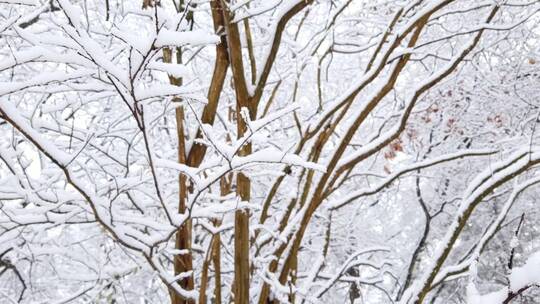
269	151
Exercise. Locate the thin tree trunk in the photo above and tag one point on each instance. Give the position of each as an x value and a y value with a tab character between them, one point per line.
243	184
182	263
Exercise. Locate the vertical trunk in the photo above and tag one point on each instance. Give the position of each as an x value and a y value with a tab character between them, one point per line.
241	242
225	188
243	184
213	257
182	263
195	157
216	260
213	254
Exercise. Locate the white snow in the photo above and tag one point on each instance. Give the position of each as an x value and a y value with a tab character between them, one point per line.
194	38
528	274
175	70
495	297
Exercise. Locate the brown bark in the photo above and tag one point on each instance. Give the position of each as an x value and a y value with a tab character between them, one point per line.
182	263
216	260
319	192
196	154
243	184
